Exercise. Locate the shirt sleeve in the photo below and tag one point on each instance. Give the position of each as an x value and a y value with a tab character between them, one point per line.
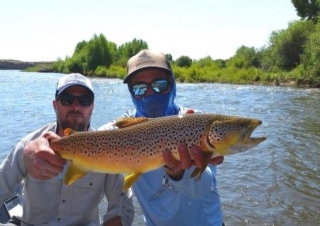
197	188
119	202
13	169
12	172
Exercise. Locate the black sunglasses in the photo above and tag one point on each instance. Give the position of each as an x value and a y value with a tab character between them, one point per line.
158	86
68	99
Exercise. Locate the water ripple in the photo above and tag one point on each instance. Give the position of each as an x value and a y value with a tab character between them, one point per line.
277	183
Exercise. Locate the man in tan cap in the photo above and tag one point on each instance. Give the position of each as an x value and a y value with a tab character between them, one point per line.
168	196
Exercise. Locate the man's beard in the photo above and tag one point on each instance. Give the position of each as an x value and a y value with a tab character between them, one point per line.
74	123
75	126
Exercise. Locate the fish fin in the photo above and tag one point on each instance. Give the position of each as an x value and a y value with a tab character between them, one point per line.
129	121
197	172
68	131
129	180
73	174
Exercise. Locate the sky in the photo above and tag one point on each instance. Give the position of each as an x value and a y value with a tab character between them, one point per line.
40	30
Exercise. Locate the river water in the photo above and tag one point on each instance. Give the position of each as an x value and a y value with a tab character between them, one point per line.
276	183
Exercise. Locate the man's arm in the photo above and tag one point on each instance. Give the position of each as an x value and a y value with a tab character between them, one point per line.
120	203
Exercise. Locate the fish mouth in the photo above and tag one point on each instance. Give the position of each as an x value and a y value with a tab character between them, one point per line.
248	142
253	125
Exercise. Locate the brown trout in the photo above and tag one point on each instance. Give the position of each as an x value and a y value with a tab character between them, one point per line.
137	146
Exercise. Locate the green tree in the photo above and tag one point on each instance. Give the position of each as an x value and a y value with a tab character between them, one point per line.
221	63
307	9
245	57
128	50
169	57
286	46
79	47
88	55
184	61
74	65
205	62
311	59
98	53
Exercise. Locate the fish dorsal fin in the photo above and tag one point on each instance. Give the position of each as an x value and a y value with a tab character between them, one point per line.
129	121
68	131
73	174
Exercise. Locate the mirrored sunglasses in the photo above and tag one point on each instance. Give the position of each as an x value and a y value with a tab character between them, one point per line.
68	100
158	86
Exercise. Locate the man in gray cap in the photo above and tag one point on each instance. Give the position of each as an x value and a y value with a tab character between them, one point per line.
46	200
168	195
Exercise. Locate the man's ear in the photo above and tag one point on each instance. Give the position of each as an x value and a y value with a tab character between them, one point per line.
54	104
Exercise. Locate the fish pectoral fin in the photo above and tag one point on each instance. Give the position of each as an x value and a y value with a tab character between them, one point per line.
197	172
129	180
129	121
73	173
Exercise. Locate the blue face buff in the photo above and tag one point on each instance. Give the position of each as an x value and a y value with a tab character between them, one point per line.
156	105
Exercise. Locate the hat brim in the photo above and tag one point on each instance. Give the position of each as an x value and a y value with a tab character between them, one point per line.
129	76
63	88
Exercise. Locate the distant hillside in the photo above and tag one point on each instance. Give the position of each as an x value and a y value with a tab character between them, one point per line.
22	65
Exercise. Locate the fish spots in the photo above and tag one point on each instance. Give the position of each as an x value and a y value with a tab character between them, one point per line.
141	146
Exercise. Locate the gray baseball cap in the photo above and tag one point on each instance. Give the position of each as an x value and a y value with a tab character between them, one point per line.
74	79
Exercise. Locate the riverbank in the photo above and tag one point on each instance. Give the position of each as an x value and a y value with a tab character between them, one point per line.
47	66
42	66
